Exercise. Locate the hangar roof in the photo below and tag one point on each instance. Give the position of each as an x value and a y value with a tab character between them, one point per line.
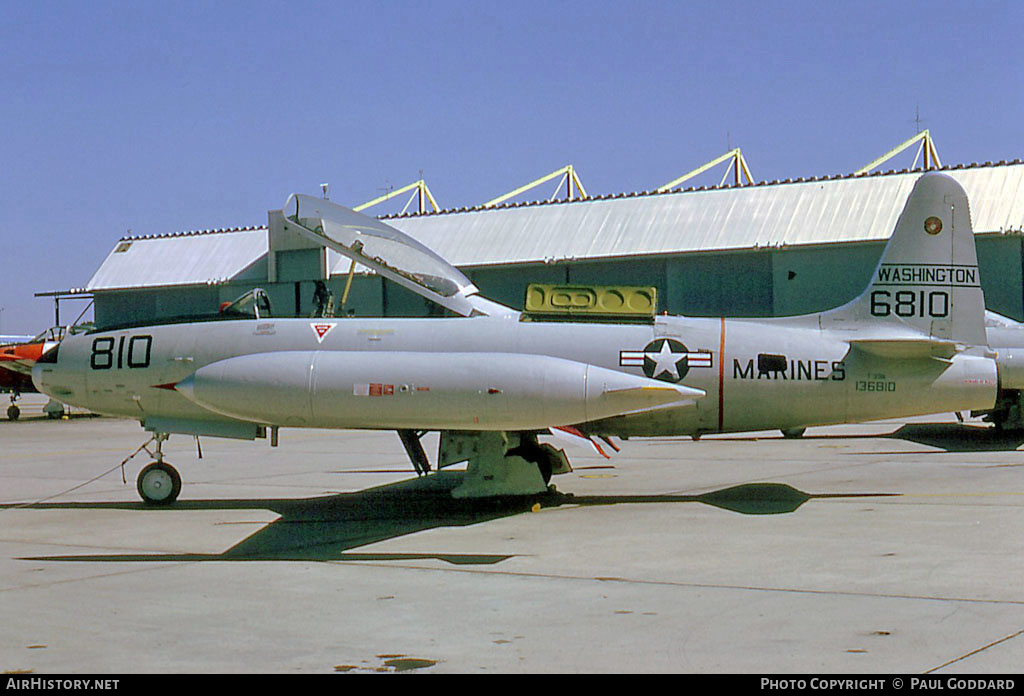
189	258
768	215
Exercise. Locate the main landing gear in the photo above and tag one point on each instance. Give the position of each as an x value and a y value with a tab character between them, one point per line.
1008	413
501	463
498	463
158	483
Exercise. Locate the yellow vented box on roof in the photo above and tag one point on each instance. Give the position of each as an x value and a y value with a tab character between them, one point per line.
592	300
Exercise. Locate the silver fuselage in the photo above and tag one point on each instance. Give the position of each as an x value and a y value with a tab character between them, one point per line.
756	374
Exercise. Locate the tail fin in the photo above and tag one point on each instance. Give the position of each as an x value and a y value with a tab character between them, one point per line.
927	280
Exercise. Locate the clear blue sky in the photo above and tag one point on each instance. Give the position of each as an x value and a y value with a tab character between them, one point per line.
168	116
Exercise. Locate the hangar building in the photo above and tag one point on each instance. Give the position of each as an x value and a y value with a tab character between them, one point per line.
768	249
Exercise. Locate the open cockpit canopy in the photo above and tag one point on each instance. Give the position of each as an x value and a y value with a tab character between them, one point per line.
382	248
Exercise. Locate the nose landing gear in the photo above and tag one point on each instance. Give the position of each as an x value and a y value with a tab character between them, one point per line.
13	412
158	483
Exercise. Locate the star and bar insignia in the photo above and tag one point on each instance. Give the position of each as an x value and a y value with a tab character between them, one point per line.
666	359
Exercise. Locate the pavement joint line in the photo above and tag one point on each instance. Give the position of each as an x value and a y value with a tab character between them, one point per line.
549	576
66	545
975	652
670	583
962	495
73	581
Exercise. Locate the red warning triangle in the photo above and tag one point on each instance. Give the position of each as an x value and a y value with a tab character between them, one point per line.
321	330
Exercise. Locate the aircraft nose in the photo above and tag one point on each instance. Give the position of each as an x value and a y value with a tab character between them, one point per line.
46	377
59	379
37	376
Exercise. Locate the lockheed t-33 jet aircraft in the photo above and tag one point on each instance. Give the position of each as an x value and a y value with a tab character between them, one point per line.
491	379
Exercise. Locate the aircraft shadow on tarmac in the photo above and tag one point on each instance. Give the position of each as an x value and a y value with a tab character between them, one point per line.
951	437
961	437
327	528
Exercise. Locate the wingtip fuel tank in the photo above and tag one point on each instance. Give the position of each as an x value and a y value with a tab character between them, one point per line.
472	391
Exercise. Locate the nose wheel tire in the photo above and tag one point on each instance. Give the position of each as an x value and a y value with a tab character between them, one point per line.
159	484
13	412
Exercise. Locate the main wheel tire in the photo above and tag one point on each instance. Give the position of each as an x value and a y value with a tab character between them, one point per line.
793	433
159	484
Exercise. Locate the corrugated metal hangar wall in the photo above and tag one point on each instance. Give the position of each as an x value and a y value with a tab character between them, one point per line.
757	250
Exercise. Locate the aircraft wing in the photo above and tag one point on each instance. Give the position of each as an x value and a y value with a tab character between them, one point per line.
15	365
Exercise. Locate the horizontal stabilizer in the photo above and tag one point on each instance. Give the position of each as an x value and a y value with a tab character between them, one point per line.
909	347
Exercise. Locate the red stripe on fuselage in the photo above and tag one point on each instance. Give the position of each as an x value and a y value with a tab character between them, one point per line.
721	378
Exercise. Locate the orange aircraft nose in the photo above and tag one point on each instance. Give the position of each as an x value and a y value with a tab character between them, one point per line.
28	351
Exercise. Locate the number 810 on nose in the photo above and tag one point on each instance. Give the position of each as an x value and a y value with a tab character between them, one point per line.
137	355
